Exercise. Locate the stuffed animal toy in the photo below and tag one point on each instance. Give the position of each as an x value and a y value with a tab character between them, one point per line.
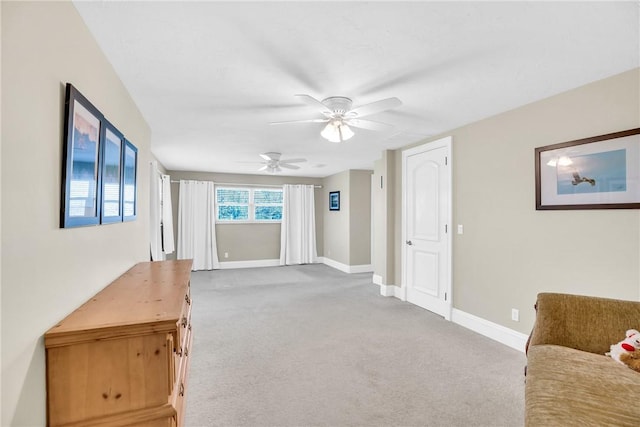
628	345
631	359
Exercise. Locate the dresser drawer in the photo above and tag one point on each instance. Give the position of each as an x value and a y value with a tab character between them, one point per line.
86	381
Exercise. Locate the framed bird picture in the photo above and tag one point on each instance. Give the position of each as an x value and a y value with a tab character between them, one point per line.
600	172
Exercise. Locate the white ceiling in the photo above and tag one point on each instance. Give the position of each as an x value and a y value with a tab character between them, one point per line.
209	76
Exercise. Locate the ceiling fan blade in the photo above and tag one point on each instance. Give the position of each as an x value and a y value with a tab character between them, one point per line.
264	168
374	107
300	121
271	156
368	124
288	166
315	103
293	161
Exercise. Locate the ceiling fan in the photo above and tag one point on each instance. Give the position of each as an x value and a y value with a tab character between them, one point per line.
339	114
272	163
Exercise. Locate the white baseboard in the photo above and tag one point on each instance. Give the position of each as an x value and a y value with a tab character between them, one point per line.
250	264
502	334
386	290
350	269
362	268
389	291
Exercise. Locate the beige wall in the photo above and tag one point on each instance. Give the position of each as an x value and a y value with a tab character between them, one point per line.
509	251
248	242
379	220
347	232
336	223
47	272
384	204
360	217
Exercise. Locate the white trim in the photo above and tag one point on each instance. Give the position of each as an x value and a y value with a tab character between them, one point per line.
250	264
362	268
387	290
390	291
350	269
502	334
401	293
446	142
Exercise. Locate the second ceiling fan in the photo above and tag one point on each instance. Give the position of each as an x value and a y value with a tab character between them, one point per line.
339	114
272	163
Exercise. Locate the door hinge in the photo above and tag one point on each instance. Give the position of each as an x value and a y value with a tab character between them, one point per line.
446	160
446	228
445	296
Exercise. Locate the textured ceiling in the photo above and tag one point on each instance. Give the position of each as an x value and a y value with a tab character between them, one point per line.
210	76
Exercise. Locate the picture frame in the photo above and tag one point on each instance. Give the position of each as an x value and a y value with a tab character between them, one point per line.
113	143
334	200
129	181
600	172
80	203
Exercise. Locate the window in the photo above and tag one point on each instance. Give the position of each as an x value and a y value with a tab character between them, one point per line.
241	204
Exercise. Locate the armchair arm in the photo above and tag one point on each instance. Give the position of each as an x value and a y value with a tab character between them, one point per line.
585	323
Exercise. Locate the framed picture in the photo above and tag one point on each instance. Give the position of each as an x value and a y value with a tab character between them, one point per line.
81	187
334	201
601	172
112	158
129	176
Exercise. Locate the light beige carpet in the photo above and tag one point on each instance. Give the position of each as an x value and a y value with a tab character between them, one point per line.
312	346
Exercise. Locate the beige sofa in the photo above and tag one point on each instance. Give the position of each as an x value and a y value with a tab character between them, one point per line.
569	380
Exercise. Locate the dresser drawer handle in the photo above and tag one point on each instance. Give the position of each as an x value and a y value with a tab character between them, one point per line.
179	351
186	352
189	326
184	322
187	299
181	389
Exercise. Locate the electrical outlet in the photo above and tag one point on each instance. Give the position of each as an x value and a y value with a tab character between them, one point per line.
515	314
226	254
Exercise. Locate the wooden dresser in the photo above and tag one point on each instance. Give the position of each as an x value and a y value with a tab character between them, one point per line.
122	358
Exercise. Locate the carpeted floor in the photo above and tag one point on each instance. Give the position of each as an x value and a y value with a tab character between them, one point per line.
312	346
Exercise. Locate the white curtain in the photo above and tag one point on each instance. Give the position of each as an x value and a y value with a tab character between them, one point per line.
168	245
298	229
155	236
196	225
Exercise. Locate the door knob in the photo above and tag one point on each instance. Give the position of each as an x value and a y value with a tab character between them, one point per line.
409	242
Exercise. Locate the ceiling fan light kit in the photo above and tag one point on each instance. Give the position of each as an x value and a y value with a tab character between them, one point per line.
339	115
336	131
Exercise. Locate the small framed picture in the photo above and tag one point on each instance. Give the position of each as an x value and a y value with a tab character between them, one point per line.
601	172
112	146
81	186
334	201
129	184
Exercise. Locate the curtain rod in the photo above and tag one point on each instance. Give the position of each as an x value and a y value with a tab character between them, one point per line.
241	184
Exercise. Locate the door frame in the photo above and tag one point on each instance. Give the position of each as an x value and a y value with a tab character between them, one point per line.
439	143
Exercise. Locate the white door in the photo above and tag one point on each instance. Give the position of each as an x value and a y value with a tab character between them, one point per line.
426	226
